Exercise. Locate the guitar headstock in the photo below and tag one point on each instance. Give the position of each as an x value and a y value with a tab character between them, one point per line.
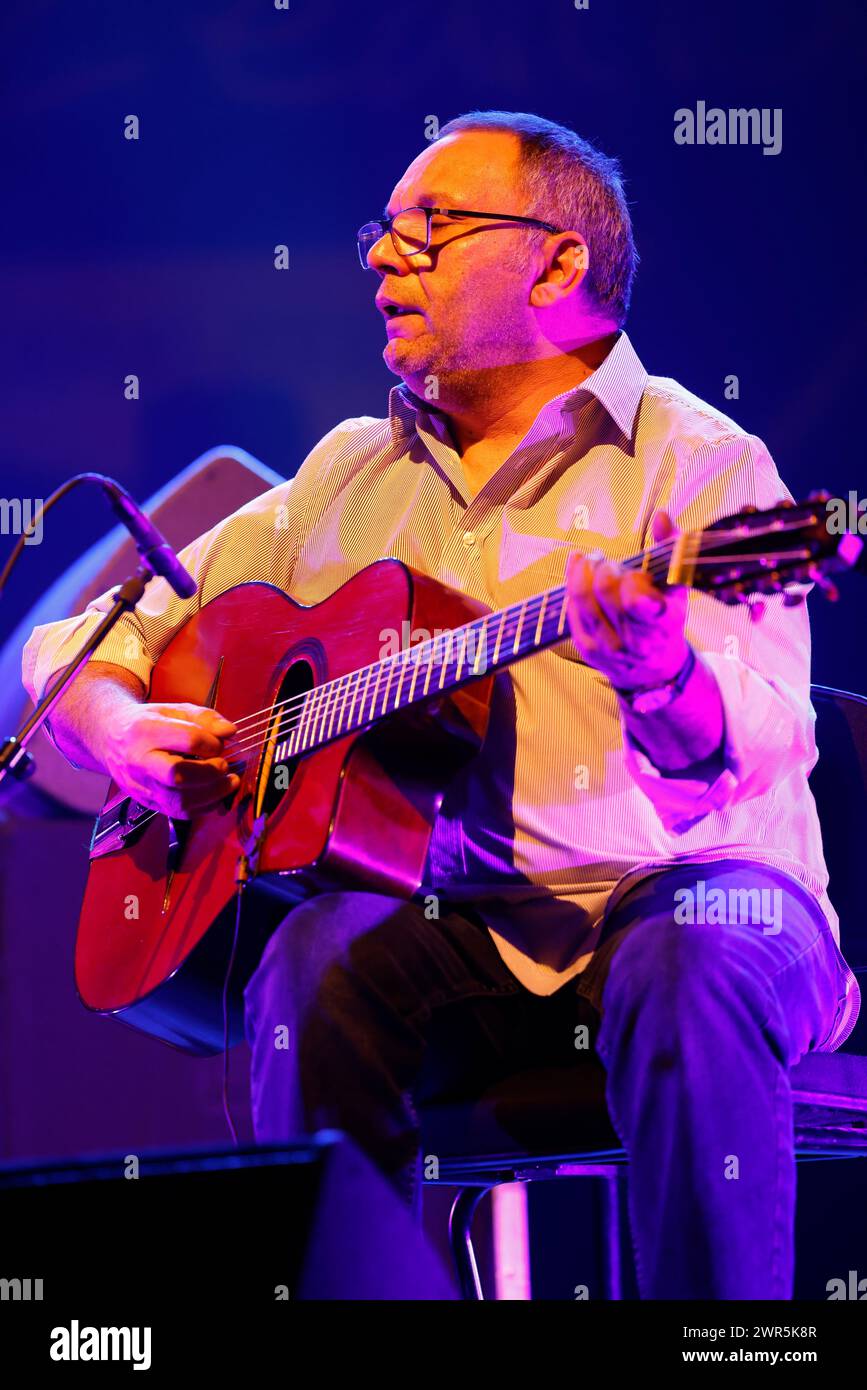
775	550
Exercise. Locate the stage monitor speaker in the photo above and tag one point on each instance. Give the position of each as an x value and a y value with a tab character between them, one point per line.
129	1236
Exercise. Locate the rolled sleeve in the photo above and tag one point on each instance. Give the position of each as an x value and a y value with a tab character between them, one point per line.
52	646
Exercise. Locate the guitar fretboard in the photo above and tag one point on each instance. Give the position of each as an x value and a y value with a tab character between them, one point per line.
439	664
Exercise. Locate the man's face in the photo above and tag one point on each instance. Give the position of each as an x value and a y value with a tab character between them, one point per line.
470	288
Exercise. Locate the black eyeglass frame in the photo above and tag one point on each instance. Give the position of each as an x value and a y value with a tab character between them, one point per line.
386	223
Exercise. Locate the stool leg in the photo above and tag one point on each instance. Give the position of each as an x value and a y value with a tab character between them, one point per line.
612	1258
460	1240
511	1241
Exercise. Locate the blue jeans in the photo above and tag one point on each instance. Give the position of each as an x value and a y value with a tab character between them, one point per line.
362	1008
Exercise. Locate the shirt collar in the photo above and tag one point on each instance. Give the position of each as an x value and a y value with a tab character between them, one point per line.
404	408
617	383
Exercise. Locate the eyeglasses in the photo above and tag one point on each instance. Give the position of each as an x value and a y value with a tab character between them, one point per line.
411	229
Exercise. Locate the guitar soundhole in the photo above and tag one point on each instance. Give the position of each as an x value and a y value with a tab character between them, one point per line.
296	682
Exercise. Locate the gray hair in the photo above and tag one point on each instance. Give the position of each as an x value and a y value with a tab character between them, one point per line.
569	182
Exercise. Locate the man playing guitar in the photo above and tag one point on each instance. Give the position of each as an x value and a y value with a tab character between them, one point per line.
654	760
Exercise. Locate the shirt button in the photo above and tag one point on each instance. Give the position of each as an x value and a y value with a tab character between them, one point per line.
469	538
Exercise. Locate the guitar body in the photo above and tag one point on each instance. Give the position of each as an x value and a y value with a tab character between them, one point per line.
157	925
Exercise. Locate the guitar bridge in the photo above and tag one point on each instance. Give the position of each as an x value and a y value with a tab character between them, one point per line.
118	827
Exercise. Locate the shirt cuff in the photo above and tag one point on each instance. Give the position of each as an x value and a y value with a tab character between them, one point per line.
680	802
752	715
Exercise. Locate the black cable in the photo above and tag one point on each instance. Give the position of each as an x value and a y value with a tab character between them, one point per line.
227	1109
70	483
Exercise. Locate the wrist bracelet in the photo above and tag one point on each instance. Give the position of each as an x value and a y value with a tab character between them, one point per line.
647	698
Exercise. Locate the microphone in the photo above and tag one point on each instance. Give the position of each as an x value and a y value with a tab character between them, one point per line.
150	543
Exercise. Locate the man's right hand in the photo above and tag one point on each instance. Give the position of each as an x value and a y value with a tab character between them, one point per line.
169	757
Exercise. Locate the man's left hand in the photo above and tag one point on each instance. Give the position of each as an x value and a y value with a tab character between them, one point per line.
622	624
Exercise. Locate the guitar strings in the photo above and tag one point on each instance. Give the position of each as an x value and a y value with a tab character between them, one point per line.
653	556
323	707
530	607
253	722
319	698
318	690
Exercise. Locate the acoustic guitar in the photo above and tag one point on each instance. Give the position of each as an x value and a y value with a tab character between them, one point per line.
344	756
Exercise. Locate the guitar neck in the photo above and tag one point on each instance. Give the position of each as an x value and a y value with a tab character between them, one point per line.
450	659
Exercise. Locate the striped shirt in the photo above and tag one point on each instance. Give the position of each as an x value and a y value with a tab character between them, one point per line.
559	812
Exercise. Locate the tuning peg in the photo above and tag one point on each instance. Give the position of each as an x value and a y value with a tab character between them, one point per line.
824	583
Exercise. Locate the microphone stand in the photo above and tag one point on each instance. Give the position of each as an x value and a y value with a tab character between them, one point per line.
16	764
